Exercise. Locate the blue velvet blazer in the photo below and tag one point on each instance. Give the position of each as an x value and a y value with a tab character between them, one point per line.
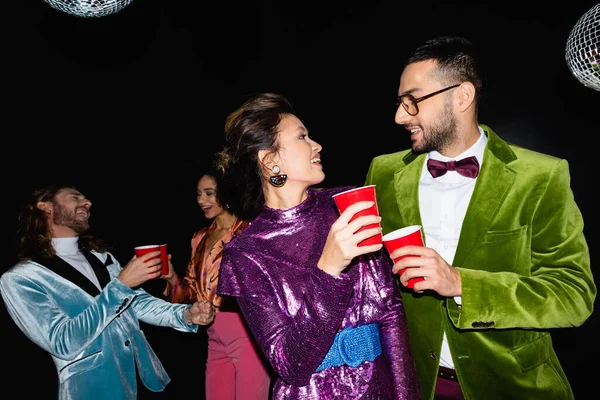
94	337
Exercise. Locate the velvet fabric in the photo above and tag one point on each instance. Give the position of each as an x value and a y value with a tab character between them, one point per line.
524	265
93	337
294	309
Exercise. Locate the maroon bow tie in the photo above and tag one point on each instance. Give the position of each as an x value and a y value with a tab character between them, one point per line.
468	167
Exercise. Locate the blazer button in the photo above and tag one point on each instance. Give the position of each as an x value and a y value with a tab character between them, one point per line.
432	355
127	342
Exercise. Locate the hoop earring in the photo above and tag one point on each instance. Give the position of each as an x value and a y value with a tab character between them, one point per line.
277	180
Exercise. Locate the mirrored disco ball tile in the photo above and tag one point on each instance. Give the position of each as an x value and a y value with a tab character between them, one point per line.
89	8
581	53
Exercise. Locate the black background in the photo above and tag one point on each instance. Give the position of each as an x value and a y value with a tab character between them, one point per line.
128	107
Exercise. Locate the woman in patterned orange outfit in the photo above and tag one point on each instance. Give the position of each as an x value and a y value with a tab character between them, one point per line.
234	368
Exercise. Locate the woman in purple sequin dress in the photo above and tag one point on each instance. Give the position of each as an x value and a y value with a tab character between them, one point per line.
326	312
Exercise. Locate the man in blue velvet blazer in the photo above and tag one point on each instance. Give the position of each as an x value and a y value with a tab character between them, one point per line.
72	298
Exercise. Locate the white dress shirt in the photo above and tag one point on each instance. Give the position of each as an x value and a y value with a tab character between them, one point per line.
68	250
443	203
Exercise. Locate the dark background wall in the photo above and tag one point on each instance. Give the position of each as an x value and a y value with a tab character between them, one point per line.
129	105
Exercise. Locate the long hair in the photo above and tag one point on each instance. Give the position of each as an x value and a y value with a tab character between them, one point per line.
34	237
457	61
250	128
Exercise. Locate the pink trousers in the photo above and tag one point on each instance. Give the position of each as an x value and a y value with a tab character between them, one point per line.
234	368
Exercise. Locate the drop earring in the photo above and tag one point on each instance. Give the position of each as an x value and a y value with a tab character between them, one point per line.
277	180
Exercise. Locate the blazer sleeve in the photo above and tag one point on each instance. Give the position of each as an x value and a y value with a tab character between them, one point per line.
38	305
36	311
558	290
153	310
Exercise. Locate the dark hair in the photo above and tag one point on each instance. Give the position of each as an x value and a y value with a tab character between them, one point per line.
250	128
222	192
33	236
457	61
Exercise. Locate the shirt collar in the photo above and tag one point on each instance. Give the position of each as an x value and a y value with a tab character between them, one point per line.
66	246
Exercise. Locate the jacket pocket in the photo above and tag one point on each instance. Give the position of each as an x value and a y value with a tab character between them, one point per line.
505	250
87	363
533	354
506	236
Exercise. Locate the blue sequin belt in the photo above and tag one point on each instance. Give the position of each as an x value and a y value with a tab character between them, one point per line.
353	346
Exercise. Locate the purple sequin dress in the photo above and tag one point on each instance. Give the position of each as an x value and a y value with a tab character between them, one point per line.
294	309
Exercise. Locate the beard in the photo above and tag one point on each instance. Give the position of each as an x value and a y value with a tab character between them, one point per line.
65	217
440	134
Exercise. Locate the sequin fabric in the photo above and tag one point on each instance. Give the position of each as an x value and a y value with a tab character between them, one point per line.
294	310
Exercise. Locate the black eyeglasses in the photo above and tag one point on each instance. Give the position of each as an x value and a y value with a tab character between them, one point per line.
409	103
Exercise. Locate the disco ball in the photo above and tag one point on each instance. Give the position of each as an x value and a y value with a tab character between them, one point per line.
582	52
89	8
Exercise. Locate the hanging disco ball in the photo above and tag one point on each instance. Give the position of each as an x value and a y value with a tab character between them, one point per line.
89	8
582	52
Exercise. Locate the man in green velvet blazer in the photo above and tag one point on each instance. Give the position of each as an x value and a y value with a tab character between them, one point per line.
505	258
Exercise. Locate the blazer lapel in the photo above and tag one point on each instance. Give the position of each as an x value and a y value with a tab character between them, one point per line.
99	268
406	186
68	272
494	181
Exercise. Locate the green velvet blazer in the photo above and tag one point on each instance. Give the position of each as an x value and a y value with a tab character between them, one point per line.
524	265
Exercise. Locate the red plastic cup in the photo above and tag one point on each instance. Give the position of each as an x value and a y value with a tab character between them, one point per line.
164	257
141	250
364	193
408	236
